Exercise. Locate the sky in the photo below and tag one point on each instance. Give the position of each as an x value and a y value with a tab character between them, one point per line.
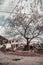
7	6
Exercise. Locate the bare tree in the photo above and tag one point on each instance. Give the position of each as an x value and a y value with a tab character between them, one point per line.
28	27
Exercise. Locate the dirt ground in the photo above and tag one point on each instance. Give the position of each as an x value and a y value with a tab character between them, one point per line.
9	59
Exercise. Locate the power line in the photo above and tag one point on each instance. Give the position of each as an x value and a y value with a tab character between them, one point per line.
6	12
10	12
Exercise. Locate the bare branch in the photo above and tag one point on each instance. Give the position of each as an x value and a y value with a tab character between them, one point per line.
20	32
35	36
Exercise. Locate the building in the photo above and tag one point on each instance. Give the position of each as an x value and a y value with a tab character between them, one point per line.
3	40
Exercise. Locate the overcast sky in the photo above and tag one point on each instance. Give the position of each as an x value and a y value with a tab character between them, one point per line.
7	6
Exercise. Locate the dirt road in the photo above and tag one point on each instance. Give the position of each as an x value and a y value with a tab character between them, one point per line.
8	59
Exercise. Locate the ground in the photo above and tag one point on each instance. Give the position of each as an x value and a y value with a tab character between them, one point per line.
9	59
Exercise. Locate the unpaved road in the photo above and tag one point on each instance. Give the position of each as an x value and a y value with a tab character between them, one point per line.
8	59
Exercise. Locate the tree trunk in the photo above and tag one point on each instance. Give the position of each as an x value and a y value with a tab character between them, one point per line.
27	42
27	45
